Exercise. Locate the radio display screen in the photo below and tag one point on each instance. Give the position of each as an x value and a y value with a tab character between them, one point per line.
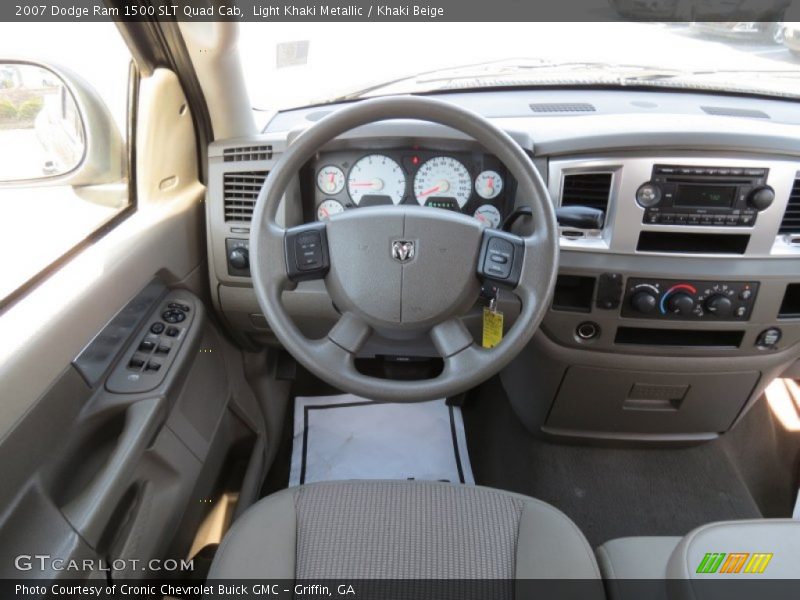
705	196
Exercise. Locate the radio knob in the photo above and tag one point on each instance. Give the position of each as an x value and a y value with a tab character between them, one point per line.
720	306
761	197
644	302
648	195
680	303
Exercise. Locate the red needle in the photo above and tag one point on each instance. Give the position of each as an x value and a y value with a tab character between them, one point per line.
325	212
430	191
332	176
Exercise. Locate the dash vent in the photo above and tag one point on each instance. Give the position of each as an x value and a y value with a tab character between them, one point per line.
240	193
247	153
791	218
562	107
727	111
586	189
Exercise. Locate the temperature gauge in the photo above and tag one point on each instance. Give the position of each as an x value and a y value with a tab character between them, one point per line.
489	215
330	180
328	208
489	184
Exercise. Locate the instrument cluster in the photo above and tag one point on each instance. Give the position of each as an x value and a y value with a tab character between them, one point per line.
472	183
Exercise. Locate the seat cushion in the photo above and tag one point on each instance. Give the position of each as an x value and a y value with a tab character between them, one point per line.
636	557
402	530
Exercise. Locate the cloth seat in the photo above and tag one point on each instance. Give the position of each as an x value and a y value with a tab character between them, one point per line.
402	530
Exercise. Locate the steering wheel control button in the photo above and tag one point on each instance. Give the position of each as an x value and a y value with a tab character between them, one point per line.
306	250
769	338
157	328
501	257
173	315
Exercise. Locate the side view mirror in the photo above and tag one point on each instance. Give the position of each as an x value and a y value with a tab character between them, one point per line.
55	129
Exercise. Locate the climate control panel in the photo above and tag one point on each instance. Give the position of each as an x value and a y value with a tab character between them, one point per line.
689	300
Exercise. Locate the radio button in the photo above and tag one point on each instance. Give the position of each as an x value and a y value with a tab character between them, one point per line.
648	195
746	220
705	220
693	220
666	219
731	220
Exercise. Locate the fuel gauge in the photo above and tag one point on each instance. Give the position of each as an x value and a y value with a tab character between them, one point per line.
328	208
489	215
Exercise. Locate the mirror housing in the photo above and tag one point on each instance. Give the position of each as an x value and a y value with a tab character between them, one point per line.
104	160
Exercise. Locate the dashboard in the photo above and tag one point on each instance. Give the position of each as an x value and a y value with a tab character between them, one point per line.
470	182
667	321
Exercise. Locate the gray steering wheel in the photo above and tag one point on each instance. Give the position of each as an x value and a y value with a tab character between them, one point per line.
405	270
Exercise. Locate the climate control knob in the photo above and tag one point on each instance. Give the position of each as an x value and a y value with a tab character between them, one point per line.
680	303
719	306
761	197
239	258
644	302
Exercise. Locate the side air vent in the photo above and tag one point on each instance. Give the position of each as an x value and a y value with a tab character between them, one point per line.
241	191
247	153
562	107
726	111
791	218
586	189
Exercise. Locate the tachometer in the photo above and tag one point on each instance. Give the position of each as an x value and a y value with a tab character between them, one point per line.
330	180
376	177
328	208
489	184
442	177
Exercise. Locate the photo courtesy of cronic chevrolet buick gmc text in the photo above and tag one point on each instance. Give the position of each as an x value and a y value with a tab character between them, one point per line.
393	309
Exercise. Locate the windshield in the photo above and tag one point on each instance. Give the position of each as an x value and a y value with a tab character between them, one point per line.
295	64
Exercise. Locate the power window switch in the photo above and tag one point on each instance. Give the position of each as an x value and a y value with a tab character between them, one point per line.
147	345
135	362
153	366
163	349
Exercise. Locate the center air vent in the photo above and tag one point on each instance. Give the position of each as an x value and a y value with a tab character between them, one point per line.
586	189
241	191
247	153
562	107
791	218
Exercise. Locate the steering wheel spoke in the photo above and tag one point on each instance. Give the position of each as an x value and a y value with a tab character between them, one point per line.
350	333
451	337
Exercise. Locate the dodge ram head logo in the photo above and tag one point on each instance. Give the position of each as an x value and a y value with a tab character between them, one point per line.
402	251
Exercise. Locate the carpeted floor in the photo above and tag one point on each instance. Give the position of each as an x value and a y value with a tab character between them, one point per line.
608	492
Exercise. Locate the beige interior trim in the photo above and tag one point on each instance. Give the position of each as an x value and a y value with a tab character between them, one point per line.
216	523
46	329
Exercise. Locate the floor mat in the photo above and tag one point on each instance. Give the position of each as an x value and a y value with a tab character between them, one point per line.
347	437
608	492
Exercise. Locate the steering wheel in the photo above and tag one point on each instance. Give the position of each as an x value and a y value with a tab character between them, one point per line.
406	270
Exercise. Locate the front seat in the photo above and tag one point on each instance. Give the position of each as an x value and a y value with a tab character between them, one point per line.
402	530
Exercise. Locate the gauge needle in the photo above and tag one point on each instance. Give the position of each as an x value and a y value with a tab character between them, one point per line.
373	183
324	212
429	191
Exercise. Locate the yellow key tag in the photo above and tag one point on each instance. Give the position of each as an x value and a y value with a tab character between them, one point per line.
492	327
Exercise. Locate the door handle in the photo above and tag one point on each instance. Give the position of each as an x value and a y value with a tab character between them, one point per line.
90	511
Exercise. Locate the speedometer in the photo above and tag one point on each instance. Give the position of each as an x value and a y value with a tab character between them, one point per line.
443	177
376	178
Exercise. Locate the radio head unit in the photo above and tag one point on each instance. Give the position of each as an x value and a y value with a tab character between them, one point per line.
719	196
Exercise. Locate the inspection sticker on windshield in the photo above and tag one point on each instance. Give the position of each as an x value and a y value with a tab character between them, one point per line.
492	327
